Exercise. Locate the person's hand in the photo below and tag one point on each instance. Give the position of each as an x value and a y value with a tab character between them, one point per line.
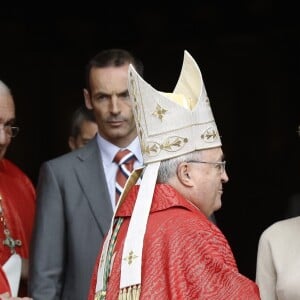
6	296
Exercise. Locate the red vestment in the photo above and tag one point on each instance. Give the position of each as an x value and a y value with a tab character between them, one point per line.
18	203
185	256
4	285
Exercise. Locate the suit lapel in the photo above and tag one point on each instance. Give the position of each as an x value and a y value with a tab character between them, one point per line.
91	176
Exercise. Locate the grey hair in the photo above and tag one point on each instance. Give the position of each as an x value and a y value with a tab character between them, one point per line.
168	167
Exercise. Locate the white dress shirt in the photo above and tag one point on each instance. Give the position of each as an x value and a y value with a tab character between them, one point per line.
108	152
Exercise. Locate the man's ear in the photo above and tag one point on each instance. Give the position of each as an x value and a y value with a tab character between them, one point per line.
71	143
184	174
87	99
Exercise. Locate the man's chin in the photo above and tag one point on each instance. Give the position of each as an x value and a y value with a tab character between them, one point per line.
218	205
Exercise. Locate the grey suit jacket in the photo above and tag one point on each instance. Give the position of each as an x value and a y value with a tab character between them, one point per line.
73	215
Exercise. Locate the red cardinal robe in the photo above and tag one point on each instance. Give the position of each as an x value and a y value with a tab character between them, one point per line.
185	256
18	204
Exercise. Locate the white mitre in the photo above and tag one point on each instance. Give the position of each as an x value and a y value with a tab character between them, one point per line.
171	128
168	125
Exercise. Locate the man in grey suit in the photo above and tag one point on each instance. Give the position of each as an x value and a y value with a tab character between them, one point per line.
76	191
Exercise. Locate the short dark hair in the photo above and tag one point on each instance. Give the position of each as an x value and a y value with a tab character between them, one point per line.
80	114
112	57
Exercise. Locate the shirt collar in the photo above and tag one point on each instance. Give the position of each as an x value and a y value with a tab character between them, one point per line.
109	150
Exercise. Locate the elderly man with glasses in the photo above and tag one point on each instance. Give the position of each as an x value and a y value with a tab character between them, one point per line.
17	208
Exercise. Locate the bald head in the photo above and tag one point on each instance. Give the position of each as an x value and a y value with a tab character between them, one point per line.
4	89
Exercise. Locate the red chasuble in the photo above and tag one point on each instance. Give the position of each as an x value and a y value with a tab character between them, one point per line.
185	256
18	204
4	285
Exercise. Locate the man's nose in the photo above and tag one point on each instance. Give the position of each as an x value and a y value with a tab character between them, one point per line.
3	136
115	107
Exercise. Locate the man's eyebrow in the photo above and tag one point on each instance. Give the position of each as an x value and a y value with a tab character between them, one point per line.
10	122
101	94
124	93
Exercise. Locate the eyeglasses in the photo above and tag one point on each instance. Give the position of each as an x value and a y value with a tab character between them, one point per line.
219	165
11	131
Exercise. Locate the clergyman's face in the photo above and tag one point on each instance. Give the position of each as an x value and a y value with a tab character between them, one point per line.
208	181
7	117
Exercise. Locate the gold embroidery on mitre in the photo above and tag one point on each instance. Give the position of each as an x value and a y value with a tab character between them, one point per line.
152	150
209	135
134	93
135	106
133	85
159	112
130	258
171	144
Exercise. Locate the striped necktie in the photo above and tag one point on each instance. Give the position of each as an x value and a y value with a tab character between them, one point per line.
125	160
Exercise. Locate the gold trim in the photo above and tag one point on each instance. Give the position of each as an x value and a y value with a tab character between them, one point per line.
131	257
159	112
171	144
130	293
